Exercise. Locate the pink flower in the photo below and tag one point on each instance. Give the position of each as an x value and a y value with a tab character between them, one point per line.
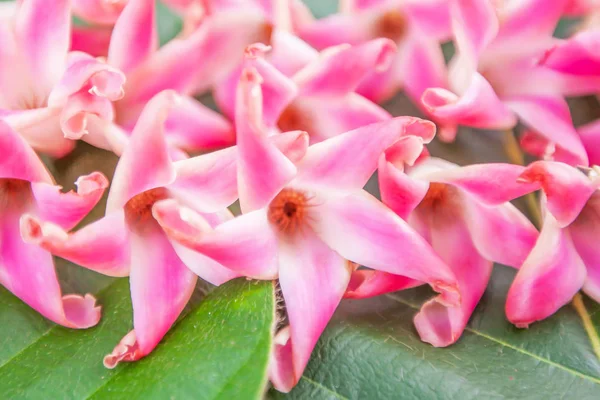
565	258
416	26
304	217
129	241
26	188
464	213
495	76
318	88
33	48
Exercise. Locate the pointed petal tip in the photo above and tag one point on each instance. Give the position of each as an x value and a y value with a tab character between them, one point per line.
386	56
81	312
127	350
91	183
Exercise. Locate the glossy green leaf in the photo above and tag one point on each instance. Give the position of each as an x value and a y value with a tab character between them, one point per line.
218	351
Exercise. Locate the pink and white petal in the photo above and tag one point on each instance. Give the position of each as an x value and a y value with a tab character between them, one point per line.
191	125
28	272
98	11
246	245
101	246
577	55
341	28
290	53
590	137
75	113
399	192
339	70
369	283
134	37
262	169
68	209
93	40
19	161
347	161
224	93
293	144
475	25
203	266
44	34
523	21
548	279
431	17
313	280
161	286
84	71
325	117
584	232
380	86
145	163
363	230
201	60
440	324
550	117
500	234
566	188
492	184
478	107
41	129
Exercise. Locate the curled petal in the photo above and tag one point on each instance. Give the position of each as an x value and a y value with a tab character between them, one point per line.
28	272
19	161
67	209
348	160
145	163
246	244
548	279
339	70
101	246
369	283
75	113
440	324
134	36
399	192
479	106
86	72
127	350
566	189
193	126
363	230
550	117
313	279
262	170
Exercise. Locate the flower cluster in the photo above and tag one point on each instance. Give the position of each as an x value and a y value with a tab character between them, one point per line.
300	134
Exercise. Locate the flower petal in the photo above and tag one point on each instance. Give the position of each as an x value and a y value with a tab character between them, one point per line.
246	244
399	192
44	32
550	117
437	323
363	230
262	170
523	21
478	107
98	11
313	279
145	163
590	137
28	272
566	189
348	160
290	53
340	69
193	126
368	283
93	40
75	113
134	37
68	209
101	246
161	286
548	279
577	55
18	160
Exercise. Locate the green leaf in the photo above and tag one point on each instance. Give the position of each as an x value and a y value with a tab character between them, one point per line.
371	350
219	350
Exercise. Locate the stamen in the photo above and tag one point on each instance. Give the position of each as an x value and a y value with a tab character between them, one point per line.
287	211
292	118
392	25
437	195
138	210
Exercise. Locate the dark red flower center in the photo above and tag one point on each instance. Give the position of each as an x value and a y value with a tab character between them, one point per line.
437	195
293	118
288	211
392	25
14	192
138	210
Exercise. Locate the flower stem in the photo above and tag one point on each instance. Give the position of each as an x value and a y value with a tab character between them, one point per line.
589	327
515	156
